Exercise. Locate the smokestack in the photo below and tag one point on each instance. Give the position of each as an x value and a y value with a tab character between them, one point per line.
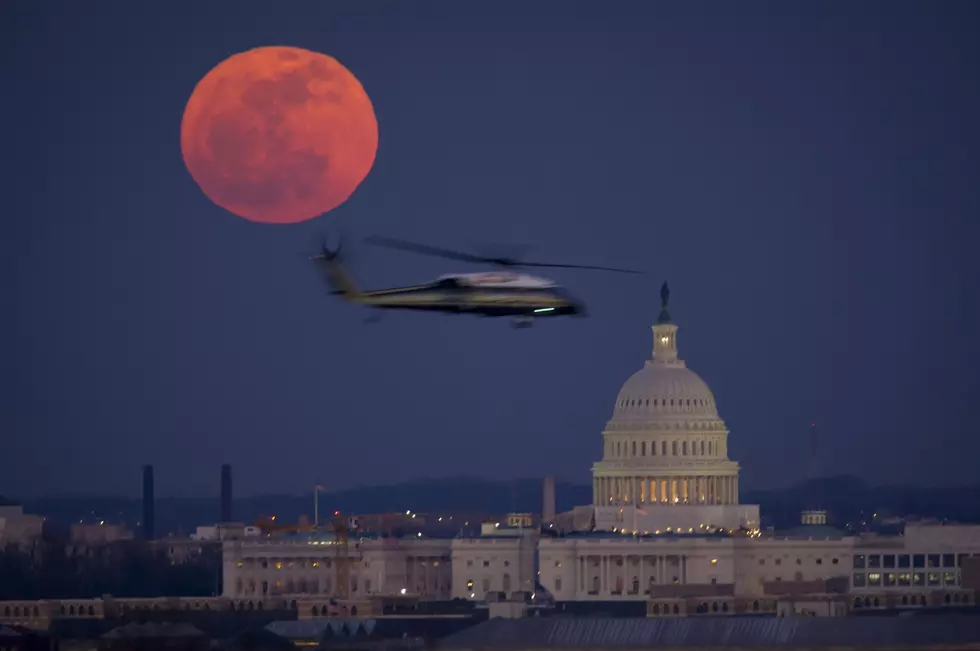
226	493
149	532
548	500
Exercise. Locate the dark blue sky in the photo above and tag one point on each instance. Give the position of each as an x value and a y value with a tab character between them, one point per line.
805	174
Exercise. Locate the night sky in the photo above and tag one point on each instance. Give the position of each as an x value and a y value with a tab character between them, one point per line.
806	175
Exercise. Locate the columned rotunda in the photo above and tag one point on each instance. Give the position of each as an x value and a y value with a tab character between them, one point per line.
667	447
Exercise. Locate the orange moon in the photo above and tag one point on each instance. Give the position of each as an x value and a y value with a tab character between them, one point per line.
279	135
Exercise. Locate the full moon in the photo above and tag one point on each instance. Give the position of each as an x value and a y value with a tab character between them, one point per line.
279	134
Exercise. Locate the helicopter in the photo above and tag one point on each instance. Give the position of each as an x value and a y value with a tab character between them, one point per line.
501	293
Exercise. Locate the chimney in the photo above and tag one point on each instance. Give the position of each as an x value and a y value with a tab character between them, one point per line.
149	532
226	514
548	500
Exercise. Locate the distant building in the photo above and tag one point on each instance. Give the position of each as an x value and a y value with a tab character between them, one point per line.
310	564
225	531
18	528
93	535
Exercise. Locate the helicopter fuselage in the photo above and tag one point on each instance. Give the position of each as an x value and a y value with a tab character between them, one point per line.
493	294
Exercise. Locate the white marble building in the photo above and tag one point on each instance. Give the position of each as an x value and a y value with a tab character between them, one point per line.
665	462
307	565
499	562
666	527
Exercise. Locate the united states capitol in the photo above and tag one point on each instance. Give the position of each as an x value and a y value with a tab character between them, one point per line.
666	528
666	536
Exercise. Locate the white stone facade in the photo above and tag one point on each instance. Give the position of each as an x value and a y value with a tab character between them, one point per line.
666	447
927	558
676	519
495	563
666	479
276	567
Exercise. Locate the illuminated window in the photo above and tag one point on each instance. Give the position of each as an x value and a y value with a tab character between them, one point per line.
469	585
874	578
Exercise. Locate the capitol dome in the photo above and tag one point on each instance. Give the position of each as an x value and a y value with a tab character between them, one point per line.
658	391
665	443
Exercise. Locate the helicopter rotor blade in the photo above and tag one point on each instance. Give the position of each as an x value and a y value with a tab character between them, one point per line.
424	249
502	261
578	266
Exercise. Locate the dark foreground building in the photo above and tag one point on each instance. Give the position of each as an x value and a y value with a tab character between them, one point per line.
581	634
18	638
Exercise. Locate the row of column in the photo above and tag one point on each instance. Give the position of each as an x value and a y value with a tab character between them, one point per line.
665	490
609	578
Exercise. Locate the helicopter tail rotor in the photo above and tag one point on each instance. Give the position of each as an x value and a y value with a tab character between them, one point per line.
324	252
332	270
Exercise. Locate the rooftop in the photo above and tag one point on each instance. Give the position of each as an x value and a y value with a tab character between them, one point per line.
721	632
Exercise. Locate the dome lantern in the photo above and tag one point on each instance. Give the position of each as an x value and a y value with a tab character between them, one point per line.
665	334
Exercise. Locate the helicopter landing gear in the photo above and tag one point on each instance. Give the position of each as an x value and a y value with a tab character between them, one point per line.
523	322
